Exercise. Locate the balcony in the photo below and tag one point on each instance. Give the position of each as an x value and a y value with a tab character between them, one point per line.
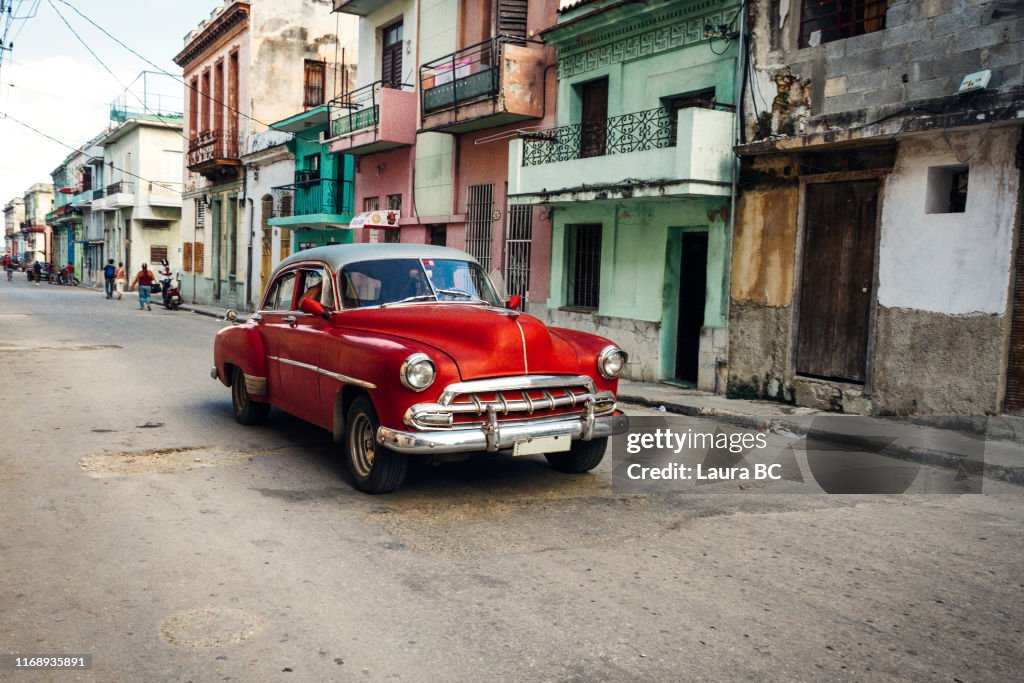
655	156
214	154
375	118
63	215
29	226
358	7
493	83
117	195
83	197
313	202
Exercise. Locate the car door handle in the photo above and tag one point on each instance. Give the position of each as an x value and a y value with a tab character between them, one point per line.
291	320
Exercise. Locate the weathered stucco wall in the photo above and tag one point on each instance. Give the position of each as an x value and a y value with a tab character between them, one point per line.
938	364
950	263
764	245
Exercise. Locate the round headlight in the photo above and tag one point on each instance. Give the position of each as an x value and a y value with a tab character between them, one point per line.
418	372
611	362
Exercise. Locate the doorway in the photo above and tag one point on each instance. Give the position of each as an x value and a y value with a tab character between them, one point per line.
594	118
836	281
693	286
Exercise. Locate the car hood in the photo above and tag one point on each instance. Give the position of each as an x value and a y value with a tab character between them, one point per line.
483	341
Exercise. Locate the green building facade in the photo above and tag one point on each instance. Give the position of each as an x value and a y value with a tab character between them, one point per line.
638	177
318	205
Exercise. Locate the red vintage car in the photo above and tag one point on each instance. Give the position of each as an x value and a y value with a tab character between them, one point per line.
405	350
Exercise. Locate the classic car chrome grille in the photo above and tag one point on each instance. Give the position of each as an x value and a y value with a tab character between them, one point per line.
467	404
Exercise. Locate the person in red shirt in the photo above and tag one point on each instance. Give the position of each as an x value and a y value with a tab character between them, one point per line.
144	279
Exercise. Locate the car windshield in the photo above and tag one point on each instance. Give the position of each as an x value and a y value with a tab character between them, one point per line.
388	281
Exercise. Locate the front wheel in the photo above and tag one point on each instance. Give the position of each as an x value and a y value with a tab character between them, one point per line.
375	469
582	456
246	410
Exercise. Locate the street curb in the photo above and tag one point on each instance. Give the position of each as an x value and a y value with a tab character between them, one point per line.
957	461
209	314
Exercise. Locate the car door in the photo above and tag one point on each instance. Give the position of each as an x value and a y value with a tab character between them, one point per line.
300	344
271	325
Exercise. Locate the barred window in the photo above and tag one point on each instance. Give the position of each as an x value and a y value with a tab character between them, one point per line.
517	249
584	256
478	227
371	203
822	21
157	253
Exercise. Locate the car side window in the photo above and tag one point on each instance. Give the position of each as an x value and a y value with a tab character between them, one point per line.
280	296
316	284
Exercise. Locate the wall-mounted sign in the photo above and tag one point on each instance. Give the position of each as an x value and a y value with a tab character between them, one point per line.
376	219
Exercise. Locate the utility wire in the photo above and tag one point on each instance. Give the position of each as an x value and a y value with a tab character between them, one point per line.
35	130
110	71
174	76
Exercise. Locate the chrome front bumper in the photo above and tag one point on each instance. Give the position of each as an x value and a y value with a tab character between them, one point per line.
494	436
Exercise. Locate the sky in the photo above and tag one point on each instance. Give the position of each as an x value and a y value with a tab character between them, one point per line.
51	82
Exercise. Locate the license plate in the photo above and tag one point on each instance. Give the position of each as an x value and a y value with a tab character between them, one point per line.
543	444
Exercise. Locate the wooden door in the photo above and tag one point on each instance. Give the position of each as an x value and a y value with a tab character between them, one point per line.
391	56
594	118
836	284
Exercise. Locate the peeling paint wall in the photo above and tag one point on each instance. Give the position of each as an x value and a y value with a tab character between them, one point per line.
285	33
950	263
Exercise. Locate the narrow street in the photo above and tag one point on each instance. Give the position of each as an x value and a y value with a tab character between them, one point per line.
142	526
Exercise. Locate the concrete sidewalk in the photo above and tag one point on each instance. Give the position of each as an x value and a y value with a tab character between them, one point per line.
996	452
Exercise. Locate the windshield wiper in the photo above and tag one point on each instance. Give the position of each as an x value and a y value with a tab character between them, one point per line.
459	292
417	297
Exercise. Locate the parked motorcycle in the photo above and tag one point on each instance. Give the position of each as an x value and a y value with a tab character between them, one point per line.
171	290
66	278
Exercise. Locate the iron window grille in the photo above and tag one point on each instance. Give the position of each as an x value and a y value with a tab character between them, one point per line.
584	265
518	245
822	21
478	227
314	83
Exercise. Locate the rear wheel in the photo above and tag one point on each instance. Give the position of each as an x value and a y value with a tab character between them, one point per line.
247	411
582	456
375	469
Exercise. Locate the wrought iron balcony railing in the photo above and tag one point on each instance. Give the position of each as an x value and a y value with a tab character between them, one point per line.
121	186
359	108
308	196
99	193
213	146
471	73
636	132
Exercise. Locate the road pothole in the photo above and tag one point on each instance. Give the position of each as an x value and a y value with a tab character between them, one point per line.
157	461
210	627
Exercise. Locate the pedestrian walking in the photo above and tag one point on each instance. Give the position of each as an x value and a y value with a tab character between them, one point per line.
109	271
120	279
37	271
144	279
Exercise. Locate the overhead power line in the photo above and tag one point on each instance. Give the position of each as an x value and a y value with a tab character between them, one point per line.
35	130
168	73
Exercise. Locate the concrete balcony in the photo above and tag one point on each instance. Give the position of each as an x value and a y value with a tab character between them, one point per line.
83	198
119	195
493	83
358	7
653	157
374	118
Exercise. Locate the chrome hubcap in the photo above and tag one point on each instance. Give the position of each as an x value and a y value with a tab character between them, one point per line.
361	446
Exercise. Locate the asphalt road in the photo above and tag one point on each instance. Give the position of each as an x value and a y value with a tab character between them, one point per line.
139	524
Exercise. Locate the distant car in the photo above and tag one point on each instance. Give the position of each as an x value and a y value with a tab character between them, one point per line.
406	351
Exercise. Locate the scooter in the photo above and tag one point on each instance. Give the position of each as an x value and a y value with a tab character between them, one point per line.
172	293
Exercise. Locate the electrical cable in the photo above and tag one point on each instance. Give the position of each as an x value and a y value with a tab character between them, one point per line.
174	76
35	130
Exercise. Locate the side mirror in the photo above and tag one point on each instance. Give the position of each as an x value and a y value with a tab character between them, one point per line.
313	307
514	302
